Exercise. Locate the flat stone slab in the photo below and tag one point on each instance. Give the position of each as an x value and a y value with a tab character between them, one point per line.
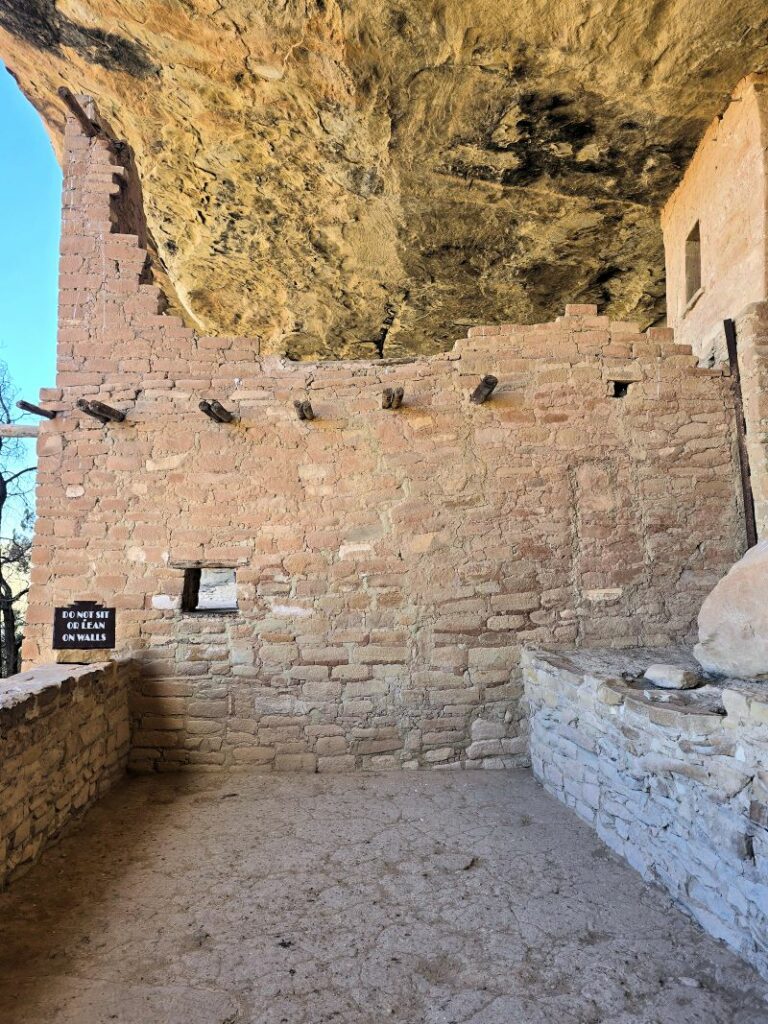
624	662
672	677
436	897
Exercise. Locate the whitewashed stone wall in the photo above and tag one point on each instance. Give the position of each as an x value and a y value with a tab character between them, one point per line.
675	782
64	740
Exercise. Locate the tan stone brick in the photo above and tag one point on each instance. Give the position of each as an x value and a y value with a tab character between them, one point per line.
343	763
330	745
295	762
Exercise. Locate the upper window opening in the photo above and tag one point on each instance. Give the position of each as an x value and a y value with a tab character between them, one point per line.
209	590
693	263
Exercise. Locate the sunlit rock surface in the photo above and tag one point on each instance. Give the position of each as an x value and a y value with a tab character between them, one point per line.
342	178
733	621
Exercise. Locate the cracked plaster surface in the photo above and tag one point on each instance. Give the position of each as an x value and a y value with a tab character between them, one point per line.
443	898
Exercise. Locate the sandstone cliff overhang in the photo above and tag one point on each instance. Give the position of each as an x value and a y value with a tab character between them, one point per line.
340	179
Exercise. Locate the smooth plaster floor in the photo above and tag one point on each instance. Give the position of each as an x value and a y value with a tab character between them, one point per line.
300	899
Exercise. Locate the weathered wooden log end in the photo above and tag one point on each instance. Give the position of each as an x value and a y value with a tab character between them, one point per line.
392	398
484	389
303	409
85	406
222	415
107	412
216	411
35	409
100	411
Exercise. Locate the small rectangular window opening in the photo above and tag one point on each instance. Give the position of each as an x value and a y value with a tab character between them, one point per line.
693	263
618	388
209	590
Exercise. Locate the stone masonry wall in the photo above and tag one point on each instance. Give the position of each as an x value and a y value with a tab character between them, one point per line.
390	564
64	739
724	190
675	782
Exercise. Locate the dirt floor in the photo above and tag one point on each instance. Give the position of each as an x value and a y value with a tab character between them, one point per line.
425	898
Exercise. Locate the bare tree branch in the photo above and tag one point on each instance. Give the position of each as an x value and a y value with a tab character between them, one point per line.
21	472
17	513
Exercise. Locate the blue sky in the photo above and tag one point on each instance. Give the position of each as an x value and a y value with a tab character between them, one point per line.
30	196
30	199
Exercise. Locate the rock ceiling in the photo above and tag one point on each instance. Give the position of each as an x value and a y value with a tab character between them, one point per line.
345	177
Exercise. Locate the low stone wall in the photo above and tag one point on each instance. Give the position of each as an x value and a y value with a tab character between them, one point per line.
64	739
676	782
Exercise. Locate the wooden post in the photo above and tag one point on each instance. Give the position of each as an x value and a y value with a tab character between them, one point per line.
19	430
304	410
484	389
30	407
392	398
741	434
107	412
222	415
100	411
215	410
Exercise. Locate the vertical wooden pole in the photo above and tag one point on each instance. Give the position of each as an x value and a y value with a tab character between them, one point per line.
741	434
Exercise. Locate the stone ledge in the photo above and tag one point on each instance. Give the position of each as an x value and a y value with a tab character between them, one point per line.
64	739
614	678
675	781
42	682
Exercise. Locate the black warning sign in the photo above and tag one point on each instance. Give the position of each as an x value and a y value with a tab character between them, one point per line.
84	626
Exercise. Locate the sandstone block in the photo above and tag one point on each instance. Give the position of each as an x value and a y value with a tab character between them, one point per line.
253	755
344	763
365	688
483	729
733	621
329	745
380	654
515	745
483	748
672	677
321	691
438	755
493	658
310	673
295	762
377	746
580	309
382	762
